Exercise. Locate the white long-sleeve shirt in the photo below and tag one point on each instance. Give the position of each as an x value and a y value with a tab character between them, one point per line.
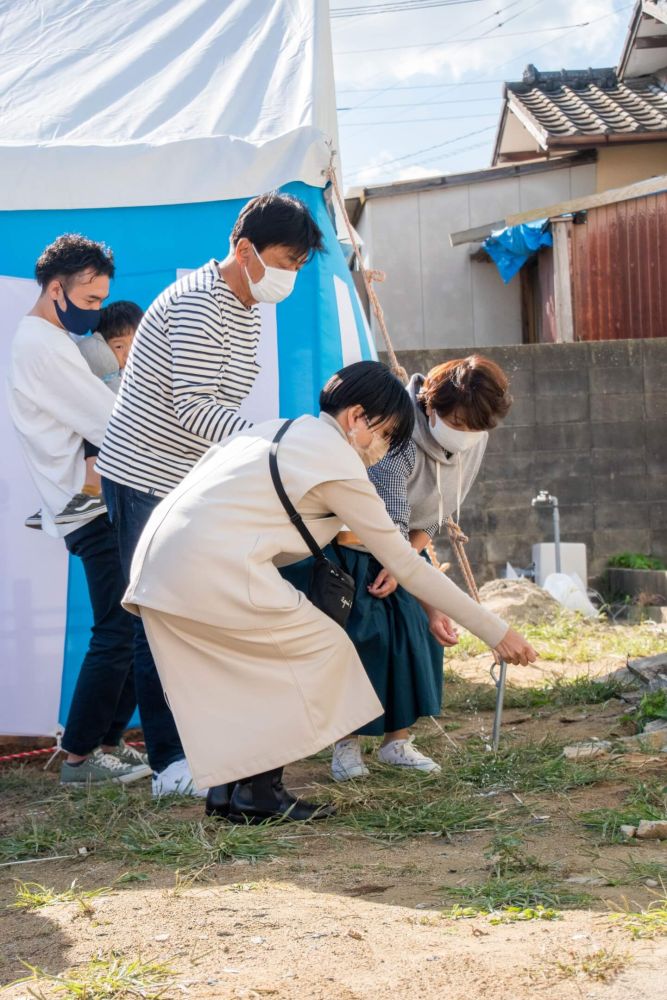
55	402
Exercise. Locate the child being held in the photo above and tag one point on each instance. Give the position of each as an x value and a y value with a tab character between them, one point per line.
106	352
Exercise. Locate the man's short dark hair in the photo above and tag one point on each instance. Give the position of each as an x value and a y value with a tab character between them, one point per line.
278	219
71	254
119	318
373	386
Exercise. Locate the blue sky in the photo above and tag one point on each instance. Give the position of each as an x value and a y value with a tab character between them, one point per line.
432	77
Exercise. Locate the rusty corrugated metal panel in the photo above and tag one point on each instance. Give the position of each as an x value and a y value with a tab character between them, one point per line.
619	270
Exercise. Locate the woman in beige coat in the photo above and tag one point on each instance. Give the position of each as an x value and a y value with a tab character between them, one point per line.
255	674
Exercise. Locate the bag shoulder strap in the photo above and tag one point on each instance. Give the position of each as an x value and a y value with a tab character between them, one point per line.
290	509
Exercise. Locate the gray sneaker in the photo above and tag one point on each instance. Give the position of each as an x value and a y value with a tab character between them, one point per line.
81	508
128	755
99	768
34	521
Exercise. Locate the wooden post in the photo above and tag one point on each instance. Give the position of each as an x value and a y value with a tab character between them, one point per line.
564	319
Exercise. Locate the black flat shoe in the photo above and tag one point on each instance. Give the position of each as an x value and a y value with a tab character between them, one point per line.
264	797
217	800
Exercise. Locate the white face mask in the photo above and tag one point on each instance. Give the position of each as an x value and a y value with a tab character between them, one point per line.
275	284
373	452
449	438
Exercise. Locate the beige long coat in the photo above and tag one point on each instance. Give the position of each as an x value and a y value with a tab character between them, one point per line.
255	675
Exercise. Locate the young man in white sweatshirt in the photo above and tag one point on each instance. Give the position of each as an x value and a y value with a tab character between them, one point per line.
56	402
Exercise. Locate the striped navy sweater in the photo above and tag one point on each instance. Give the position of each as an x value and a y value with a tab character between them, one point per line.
192	363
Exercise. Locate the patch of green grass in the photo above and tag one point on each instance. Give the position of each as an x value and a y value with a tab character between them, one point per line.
516	914
115	977
34	840
527	767
603	965
118	822
576	639
634	872
648	923
505	915
390	804
557	693
441	815
33	895
523	892
507	856
652	706
20	783
647	800
193	845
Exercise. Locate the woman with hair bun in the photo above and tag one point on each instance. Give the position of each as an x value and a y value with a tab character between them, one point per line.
399	638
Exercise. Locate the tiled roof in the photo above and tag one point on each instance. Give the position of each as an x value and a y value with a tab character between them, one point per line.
589	102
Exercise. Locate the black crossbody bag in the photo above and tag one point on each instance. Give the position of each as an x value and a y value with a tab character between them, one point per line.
331	588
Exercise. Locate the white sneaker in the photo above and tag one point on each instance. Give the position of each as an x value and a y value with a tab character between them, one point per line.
347	762
403	753
176	780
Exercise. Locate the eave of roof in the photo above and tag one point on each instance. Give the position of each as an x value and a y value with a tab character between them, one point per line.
589	107
643	8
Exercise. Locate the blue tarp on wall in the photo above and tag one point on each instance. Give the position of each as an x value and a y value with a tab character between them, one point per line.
510	248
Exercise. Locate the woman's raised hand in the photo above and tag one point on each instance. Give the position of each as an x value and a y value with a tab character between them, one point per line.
513	648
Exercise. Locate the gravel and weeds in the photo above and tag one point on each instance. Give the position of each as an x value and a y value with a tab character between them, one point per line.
573	638
648	923
112	977
120	823
645	800
518	837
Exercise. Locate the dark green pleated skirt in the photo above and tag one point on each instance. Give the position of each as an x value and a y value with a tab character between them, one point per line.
403	661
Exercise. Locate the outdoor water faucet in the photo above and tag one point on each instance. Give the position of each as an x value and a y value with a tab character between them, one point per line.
545	499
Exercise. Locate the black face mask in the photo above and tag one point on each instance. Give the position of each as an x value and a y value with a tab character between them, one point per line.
75	319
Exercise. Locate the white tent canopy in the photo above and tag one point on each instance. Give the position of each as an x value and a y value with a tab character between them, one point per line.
116	94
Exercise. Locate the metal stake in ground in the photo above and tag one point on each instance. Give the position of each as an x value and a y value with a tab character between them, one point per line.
457	540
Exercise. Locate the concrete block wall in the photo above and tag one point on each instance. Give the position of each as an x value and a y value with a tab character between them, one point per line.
589	424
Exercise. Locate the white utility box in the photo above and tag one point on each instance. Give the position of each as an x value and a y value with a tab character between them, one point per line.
572	560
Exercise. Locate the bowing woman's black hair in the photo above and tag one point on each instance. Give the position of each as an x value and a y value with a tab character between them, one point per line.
372	385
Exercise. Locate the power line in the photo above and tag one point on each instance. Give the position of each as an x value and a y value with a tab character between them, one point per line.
419	86
536	48
396	7
416	121
427	149
420	104
475	38
456	36
455	139
439	157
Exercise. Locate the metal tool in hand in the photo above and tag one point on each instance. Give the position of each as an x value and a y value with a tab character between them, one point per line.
457	540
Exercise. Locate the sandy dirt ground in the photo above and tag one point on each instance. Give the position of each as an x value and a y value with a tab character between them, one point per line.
341	916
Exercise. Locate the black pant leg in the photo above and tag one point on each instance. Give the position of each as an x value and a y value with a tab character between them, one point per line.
102	704
129	510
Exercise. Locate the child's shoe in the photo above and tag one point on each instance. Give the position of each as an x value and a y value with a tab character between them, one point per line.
81	507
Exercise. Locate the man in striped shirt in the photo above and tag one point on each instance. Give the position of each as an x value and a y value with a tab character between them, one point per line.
193	362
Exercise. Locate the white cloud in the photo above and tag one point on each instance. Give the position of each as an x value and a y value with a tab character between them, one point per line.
391	123
376	171
461	58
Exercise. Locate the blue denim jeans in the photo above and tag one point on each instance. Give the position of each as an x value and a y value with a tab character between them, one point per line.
104	699
129	510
